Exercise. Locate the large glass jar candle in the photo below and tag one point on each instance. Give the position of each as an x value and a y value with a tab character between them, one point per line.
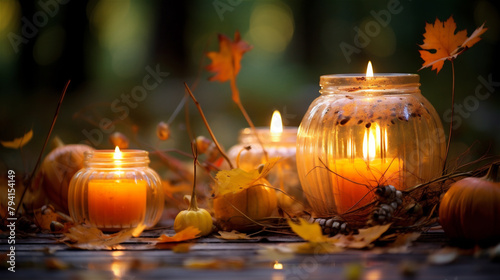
116	190
362	132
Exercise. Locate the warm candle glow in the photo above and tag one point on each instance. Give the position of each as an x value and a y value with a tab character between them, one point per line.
369	69
276	123
371	142
117	154
278	265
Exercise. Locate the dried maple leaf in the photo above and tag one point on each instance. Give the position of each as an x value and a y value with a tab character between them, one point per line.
226	62
183	235
233	235
363	239
90	238
235	180
441	38
18	142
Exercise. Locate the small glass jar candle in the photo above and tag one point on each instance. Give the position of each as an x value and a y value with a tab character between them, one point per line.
116	190
277	143
362	132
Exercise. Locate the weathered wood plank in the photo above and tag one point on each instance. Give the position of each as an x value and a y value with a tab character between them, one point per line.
139	260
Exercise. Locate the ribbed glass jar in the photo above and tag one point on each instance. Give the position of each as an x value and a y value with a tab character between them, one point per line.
362	132
284	175
116	190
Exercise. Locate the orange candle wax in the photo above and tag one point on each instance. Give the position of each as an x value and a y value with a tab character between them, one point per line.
116	203
357	178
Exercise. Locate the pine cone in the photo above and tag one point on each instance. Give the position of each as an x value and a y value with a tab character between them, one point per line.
331	226
389	199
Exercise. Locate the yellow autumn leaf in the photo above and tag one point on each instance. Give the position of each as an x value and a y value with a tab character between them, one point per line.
235	180
308	231
214	263
183	235
315	248
18	142
233	235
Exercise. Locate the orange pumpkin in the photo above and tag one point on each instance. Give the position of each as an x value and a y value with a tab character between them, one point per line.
57	169
255	202
470	210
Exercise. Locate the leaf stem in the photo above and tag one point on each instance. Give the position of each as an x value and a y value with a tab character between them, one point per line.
193	205
451	119
208	126
237	100
30	178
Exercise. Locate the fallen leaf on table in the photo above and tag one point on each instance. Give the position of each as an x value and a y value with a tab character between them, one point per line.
18	142
94	239
214	263
362	240
276	252
182	248
317	242
233	235
441	38
444	256
402	242
308	231
183	235
315	248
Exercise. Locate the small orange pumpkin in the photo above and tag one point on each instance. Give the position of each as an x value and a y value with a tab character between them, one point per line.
58	168
469	210
255	202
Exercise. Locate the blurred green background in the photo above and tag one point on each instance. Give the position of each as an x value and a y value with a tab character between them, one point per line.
105	47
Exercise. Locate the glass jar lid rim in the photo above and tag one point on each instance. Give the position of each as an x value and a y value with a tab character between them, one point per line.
126	153
389	78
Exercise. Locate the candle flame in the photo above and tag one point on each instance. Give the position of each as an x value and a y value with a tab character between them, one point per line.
371	142
278	265
369	69
117	154
276	123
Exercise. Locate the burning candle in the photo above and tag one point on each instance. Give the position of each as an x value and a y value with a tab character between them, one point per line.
355	177
117	201
278	141
116	190
366	131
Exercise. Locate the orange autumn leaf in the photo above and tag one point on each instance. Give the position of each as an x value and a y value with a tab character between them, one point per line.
445	44
183	235
226	62
18	142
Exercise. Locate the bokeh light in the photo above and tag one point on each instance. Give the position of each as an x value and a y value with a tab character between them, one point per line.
271	26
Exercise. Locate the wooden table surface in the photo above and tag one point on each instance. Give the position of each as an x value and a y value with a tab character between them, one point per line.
239	259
